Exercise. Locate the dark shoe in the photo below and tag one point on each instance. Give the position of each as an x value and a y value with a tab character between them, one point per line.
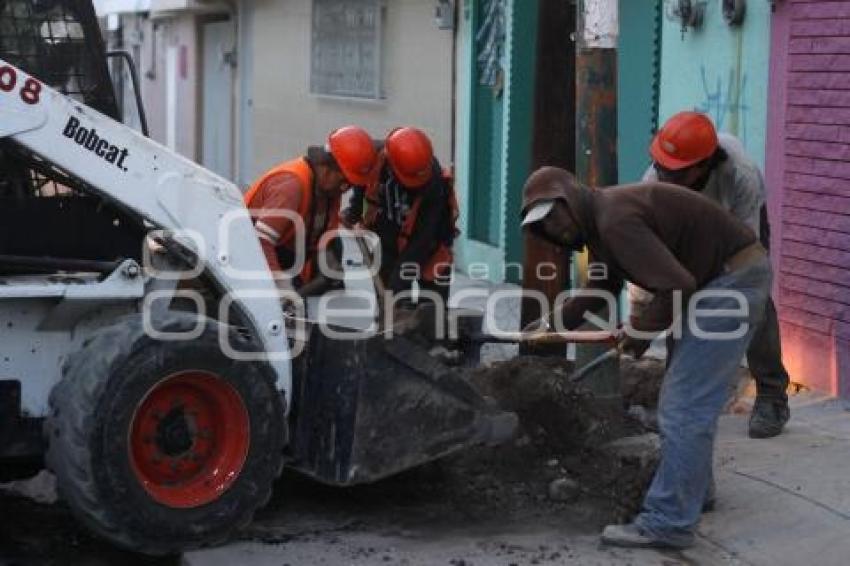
629	536
769	417
710	499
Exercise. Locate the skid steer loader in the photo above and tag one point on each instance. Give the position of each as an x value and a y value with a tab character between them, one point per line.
144	355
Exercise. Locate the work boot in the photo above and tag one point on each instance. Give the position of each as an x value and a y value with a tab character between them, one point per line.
629	536
710	502
769	417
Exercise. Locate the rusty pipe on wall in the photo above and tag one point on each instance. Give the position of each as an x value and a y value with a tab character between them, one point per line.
596	137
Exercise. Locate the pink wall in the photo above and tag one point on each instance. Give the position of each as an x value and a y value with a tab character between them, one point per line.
808	172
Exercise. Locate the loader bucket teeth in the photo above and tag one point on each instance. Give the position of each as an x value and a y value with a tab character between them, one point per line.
373	407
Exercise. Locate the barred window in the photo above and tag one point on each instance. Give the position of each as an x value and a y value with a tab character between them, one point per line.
346	48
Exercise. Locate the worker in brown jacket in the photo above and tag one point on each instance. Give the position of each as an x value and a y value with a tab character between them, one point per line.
673	243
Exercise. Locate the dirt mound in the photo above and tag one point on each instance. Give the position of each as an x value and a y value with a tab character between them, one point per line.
574	462
552	410
563	414
570	447
641	381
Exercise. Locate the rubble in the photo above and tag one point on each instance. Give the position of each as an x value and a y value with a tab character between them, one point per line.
640	381
631	464
576	445
40	488
552	410
564	490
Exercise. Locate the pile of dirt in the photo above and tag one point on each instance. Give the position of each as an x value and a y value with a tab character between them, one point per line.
640	381
574	462
553	410
641	385
570	447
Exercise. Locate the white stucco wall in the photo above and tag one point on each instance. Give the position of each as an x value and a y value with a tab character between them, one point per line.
285	117
149	41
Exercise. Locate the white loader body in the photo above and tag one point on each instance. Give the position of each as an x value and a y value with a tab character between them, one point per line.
201	211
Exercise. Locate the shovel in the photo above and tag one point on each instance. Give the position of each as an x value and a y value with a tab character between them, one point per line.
545	337
585	370
574	337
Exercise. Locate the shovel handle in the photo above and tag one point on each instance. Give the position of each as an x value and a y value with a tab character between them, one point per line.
543	338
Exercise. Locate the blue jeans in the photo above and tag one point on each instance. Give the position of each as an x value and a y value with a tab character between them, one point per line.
694	391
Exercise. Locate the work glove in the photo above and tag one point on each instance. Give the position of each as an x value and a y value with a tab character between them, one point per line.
289	307
353	213
290	301
634	347
639	300
351	217
538	326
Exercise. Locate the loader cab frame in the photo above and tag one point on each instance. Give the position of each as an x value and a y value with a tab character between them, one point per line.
48	220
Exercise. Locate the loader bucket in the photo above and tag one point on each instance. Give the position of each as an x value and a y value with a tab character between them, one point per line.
366	409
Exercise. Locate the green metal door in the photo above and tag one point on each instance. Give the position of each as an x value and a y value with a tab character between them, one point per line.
485	153
639	68
486	163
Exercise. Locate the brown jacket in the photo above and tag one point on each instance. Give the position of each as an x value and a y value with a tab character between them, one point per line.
660	237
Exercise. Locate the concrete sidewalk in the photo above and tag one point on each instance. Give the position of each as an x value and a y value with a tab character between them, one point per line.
784	501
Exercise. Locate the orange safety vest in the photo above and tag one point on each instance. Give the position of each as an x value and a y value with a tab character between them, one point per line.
302	171
439	265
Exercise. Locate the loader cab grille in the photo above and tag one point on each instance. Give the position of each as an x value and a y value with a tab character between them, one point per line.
48	214
60	43
45	213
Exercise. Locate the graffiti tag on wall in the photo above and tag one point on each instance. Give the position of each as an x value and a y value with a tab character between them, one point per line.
725	101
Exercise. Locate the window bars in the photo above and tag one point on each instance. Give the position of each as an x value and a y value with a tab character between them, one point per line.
60	43
490	39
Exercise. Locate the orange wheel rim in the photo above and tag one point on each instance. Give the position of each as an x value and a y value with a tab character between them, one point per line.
189	439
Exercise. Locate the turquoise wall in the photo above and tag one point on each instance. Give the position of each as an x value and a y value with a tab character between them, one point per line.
637	88
720	70
717	69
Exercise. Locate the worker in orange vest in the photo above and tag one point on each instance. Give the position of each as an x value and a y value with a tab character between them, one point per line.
413	209
304	195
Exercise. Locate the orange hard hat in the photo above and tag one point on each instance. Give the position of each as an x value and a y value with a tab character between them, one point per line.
410	155
354	152
684	140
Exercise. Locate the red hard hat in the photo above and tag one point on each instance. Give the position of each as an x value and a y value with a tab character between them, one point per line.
684	140
410	155
354	152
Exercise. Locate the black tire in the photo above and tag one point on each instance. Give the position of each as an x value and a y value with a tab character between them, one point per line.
92	411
